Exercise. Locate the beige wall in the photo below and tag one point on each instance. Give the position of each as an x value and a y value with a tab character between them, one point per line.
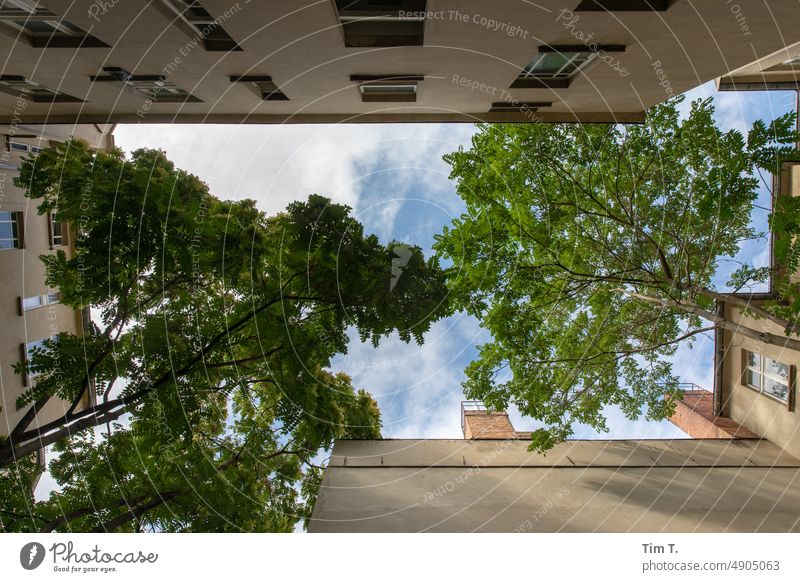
23	272
762	414
777	421
746	485
301	47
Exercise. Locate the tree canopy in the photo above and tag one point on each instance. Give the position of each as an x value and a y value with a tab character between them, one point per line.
589	251
209	352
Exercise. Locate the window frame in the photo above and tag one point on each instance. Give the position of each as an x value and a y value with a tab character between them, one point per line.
16	219
53	226
386	82
15	144
370	24
759	371
204	25
261	85
531	80
25	348
18	85
156	88
51	297
623	6
64	34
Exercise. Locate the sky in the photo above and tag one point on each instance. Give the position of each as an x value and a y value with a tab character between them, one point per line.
394	178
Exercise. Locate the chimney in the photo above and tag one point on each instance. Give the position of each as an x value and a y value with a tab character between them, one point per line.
694	415
479	423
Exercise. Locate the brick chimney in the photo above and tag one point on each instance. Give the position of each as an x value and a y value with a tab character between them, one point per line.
694	415
479	423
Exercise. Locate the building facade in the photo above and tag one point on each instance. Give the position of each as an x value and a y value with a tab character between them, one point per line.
779	71
756	382
489	482
230	61
30	310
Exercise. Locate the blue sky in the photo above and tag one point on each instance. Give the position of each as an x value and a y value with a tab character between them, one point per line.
394	178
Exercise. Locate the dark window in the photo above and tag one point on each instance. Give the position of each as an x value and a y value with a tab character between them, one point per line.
154	87
262	85
21	87
518	106
43	28
58	232
382	23
623	5
197	18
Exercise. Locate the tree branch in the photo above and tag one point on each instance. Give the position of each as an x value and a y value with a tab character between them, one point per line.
761	336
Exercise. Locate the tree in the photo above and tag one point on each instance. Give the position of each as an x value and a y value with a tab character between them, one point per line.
589	252
216	326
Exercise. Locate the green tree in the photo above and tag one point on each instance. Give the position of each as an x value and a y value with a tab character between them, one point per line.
589	252
215	329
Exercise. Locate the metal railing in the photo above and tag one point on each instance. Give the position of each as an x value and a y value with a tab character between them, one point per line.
470	406
687	386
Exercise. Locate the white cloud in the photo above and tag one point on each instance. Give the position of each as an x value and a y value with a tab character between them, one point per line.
276	164
418	387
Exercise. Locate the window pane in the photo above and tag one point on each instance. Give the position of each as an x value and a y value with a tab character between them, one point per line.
57	230
776	389
30	346
6	229
754	360
774	368
37	26
32	302
54	297
555	63
753	379
18	147
39	344
9	236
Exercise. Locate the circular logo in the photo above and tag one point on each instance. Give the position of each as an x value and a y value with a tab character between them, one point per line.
31	555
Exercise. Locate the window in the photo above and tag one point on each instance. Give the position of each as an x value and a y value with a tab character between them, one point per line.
382	23
24	144
58	231
557	65
10	230
43	28
154	87
27	353
198	20
29	303
381	88
768	376
18	86
623	5
262	85
554	66
36	301
518	106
